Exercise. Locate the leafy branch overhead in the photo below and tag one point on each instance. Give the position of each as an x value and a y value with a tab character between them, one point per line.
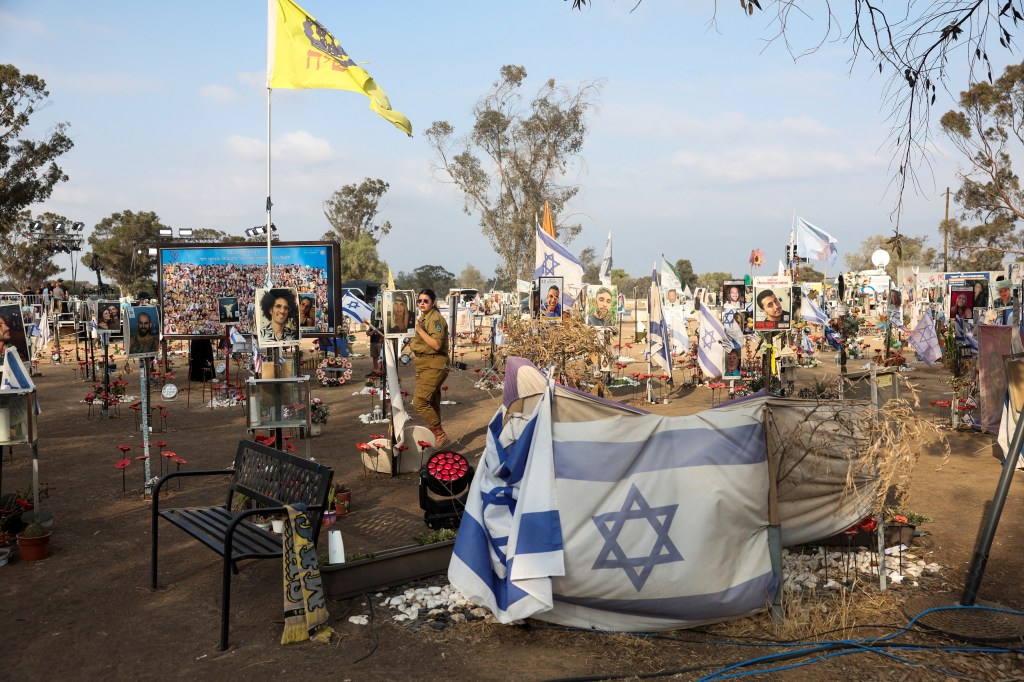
918	44
515	158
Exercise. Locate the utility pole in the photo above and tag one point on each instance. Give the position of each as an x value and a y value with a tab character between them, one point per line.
945	236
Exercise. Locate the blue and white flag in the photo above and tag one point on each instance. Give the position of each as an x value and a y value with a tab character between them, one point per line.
554	260
925	341
669	277
605	274
659	348
710	339
13	376
679	333
236	336
357	309
815	243
617	522
812	312
964	334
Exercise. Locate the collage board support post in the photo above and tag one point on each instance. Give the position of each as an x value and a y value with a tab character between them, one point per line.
385	403
144	396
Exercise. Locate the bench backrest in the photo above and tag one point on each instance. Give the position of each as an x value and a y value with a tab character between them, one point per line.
272	478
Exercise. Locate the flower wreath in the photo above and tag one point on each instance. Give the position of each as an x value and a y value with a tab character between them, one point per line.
334	378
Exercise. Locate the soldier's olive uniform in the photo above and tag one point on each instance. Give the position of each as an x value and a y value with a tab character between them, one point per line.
431	367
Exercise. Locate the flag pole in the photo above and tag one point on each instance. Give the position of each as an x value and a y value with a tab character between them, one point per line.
269	204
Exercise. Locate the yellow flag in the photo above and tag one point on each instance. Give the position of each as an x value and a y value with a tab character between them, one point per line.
301	53
548	226
391	280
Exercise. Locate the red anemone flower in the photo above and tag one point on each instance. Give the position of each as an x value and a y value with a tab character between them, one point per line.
123	463
124	448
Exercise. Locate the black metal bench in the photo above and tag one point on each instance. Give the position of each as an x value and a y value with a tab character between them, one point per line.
271	479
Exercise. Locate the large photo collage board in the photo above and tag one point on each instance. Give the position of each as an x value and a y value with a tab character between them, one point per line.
202	287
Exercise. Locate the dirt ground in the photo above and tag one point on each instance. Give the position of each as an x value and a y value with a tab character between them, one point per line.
87	612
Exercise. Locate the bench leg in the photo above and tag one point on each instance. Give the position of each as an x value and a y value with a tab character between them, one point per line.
225	603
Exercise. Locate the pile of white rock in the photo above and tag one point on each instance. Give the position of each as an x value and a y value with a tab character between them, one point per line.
836	570
442	605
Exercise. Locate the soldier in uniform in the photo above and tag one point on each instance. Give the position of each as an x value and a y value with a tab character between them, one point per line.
431	348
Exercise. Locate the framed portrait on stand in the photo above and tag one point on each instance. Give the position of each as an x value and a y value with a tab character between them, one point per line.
307	312
551	298
602	309
773	303
227	307
12	331
277	317
108	317
142	331
399	318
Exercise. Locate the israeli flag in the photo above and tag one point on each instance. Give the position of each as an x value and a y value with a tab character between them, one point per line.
357	309
812	312
659	348
815	243
964	334
554	260
605	274
13	376
925	341
710	339
622	522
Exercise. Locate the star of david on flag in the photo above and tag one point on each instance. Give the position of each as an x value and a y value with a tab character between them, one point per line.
554	260
925	341
710	337
357	309
612	524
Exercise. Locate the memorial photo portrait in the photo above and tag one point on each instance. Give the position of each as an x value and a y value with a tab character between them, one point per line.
142	325
277	317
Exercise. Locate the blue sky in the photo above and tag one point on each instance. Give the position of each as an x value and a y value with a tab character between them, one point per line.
704	145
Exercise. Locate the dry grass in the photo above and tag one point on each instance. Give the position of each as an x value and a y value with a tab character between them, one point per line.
573	348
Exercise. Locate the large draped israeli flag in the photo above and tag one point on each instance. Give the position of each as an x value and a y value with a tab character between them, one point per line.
654	523
13	375
554	260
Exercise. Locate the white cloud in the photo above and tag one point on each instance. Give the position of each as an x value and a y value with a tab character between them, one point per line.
219	93
10	25
302	147
110	84
246	148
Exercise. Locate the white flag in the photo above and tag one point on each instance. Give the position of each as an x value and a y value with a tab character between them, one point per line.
660	349
606	263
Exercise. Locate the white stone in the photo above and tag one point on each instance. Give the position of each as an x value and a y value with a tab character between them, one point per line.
359	620
400	617
479	612
457	618
396	601
434	589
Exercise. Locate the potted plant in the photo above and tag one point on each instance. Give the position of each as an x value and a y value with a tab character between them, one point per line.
319	411
900	525
338	498
34	542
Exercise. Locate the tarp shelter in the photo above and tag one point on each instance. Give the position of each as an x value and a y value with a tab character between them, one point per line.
589	513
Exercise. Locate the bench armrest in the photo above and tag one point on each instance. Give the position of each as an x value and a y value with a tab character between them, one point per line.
174	474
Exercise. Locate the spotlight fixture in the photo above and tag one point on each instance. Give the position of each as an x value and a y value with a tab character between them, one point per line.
448	475
78	227
58	226
184	231
36	225
260	229
152	251
166	232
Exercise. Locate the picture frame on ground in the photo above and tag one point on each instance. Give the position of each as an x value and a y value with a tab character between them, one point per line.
399	317
142	331
773	303
551	298
108	317
602	309
227	308
277	317
12	331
